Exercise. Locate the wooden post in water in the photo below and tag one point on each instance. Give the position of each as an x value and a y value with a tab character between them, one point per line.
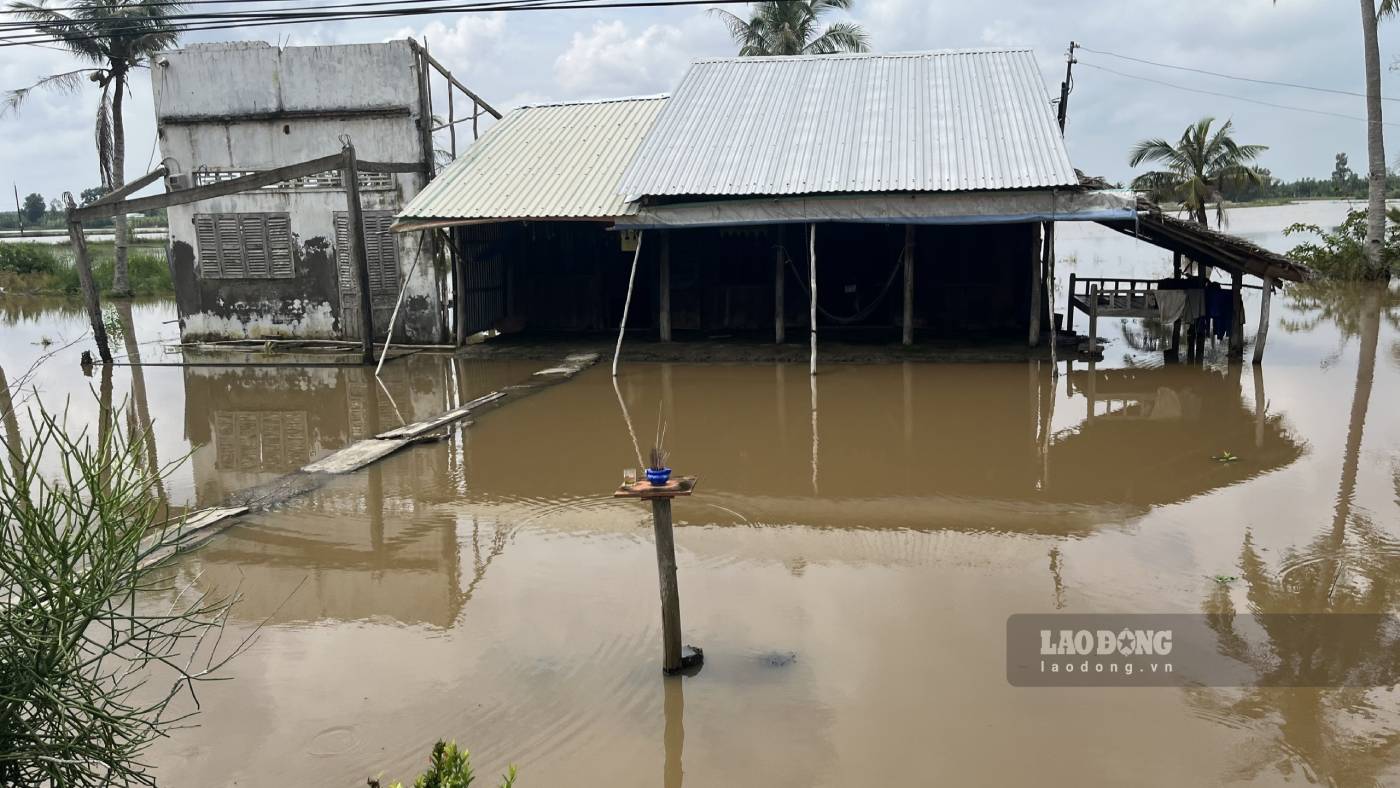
779	309
1237	316
1093	319
1069	306
1176	324
812	272
664	287
627	305
674	657
908	285
1263	332
85	280
1036	263
359	259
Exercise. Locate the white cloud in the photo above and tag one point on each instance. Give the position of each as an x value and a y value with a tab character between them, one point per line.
471	41
609	60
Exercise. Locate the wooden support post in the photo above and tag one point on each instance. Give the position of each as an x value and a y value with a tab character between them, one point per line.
1237	316
674	657
664	288
1263	332
85	280
451	121
425	113
1036	264
812	273
1176	324
459	290
1093	318
670	591
359	258
1069	307
908	285
627	305
779	277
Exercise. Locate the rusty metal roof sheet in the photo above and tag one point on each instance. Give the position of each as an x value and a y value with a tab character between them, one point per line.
926	121
546	161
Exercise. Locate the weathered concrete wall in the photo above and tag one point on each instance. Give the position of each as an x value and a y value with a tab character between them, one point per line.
250	106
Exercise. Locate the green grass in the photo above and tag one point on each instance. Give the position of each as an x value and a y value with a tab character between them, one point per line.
48	268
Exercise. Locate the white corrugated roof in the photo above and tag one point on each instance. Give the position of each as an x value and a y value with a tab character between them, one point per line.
544	161
925	121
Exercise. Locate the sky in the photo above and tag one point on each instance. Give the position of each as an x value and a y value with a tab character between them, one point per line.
518	58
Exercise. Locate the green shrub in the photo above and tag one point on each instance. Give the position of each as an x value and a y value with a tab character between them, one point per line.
1340	253
449	767
28	258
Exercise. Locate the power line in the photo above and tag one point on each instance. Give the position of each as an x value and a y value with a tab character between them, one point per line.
250	19
1232	76
1231	96
115	24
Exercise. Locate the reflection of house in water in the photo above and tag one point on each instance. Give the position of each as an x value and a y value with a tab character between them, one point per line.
369	544
916	446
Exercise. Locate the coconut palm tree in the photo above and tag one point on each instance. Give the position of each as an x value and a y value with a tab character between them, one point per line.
792	27
1197	168
115	37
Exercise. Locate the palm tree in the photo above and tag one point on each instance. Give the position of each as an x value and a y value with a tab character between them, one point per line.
1197	168
115	36
791	27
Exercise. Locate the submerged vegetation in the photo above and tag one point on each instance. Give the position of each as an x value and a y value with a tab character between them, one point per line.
43	268
94	649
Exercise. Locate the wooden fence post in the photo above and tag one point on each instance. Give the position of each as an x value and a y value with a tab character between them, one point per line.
85	280
664	285
908	285
359	258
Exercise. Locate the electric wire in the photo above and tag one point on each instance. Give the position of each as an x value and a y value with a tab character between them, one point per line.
1232	96
1207	72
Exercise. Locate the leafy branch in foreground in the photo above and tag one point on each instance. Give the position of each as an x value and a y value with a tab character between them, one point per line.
449	767
94	649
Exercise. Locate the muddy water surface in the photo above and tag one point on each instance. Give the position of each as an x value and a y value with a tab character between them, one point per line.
848	562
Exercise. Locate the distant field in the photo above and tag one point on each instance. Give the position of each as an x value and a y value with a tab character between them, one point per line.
48	267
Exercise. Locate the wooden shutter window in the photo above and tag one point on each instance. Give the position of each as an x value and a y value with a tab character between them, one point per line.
244	245
381	251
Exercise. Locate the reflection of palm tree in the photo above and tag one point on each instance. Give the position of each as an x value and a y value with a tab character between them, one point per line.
1350	568
139	409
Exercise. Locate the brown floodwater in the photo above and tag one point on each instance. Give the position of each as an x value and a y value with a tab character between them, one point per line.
848	561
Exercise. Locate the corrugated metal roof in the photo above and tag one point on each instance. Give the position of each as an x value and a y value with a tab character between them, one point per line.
926	121
546	161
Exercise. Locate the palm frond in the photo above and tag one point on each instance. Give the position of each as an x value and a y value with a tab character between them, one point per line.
1149	150
839	37
67	82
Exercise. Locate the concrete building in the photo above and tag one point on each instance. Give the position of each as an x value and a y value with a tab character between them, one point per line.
275	262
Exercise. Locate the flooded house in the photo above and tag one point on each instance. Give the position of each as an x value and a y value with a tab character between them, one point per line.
273	262
916	194
920	183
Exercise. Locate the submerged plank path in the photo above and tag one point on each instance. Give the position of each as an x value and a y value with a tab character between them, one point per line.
207	522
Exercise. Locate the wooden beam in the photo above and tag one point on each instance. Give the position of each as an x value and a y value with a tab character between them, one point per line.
779	278
1093	318
664	287
85	280
389	166
451	121
1034	338
908	337
627	305
1263	333
359	258
1069	307
812	272
1176	324
425	112
453	80
132	187
1237	319
223	188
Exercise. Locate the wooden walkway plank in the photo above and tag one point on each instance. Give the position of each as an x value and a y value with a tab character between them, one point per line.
419	428
355	456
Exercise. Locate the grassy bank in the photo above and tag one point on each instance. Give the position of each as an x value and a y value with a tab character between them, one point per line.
48	268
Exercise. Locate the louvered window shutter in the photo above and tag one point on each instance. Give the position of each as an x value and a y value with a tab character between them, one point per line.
279	243
208	241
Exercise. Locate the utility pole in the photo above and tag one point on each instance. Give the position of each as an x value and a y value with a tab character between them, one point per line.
1066	85
19	212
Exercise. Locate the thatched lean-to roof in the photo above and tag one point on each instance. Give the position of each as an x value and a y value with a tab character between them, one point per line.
1211	247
